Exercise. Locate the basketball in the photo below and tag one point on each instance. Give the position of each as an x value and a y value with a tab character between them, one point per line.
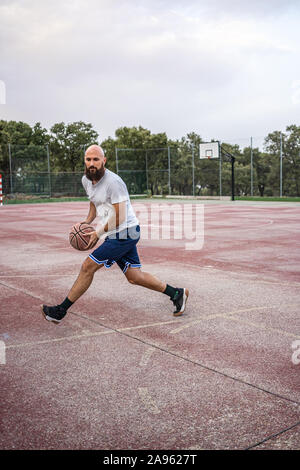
79	235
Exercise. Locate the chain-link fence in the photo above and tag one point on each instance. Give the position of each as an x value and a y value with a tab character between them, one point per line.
174	171
33	170
259	172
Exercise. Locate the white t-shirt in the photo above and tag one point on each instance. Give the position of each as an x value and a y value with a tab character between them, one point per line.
110	190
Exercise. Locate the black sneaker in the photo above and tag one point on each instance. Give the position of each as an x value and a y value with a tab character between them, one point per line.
179	300
55	314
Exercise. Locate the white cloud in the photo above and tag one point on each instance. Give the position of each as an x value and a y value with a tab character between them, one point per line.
218	67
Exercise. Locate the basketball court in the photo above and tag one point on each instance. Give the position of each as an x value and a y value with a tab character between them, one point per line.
120	372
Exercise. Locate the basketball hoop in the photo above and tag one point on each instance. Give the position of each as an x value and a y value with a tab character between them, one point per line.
209	150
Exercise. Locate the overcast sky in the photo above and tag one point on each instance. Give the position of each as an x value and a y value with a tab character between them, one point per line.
226	69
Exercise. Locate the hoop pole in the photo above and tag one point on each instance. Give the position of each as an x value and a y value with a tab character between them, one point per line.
232	178
232	171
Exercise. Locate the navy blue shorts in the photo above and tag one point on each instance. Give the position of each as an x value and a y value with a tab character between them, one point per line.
119	248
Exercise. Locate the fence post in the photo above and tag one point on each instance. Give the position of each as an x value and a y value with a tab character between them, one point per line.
169	166
49	174
220	170
1	198
193	168
280	164
251	165
10	171
147	183
117	163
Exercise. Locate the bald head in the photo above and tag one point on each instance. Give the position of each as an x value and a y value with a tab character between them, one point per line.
95	150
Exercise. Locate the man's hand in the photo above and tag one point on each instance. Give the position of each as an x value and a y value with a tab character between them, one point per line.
93	240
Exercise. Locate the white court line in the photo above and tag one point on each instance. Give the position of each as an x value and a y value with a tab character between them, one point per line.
149	324
264	327
36	275
148	401
239	226
57	340
91	334
146	356
229	315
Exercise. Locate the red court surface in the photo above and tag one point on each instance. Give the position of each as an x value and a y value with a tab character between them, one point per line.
120	372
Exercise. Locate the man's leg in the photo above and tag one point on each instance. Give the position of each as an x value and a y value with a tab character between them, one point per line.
178	296
84	279
80	286
141	278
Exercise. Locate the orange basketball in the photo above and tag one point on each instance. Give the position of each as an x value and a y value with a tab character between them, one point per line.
79	235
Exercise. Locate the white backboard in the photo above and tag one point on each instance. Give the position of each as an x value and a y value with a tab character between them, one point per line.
209	150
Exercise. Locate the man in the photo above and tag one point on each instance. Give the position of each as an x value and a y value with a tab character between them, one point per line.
109	199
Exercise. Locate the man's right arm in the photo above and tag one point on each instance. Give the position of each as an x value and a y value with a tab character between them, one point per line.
92	214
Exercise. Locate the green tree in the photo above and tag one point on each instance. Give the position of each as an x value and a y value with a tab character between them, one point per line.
264	170
68	143
16	134
182	165
257	170
40	136
137	150
291	160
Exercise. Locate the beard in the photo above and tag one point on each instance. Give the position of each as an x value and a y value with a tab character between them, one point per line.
94	175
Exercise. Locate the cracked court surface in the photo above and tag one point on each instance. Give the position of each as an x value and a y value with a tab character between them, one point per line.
121	372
